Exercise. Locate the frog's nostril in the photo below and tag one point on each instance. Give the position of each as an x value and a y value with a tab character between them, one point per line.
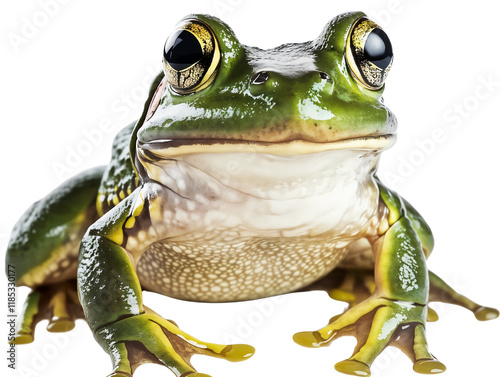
325	76
260	78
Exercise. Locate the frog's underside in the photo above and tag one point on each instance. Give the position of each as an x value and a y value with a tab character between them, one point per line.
274	226
252	220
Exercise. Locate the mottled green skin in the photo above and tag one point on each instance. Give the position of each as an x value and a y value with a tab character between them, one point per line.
295	103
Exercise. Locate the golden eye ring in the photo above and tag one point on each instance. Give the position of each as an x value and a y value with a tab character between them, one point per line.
369	54
191	57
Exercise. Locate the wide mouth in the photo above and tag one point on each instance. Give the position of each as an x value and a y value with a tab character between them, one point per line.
170	148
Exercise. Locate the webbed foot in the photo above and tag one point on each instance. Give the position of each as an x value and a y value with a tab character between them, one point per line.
377	323
57	303
149	338
355	286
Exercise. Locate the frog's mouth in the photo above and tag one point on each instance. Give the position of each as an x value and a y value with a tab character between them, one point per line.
171	148
271	171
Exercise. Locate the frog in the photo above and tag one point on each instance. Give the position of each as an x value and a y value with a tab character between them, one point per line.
250	173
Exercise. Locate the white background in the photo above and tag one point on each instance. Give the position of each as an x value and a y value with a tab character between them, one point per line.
73	71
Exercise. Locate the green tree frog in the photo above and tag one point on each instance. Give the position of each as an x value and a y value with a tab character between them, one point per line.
250	173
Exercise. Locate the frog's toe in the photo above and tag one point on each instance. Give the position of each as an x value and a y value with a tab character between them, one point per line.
237	352
339	325
354	286
310	339
353	367
334	318
58	324
429	366
432	315
484	313
342	295
414	344
440	291
22	338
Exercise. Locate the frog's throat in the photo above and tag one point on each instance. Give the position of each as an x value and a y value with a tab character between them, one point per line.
278	172
170	148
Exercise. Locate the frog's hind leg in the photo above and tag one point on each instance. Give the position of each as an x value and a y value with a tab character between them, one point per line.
43	254
57	302
353	286
440	291
349	285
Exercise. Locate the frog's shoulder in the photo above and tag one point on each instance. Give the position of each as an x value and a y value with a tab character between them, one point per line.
119	179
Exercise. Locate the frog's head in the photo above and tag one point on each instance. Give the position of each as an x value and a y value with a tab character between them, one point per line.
219	96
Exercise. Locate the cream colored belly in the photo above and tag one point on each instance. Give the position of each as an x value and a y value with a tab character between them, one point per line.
238	270
273	227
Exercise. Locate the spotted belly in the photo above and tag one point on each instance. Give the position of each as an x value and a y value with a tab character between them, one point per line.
243	269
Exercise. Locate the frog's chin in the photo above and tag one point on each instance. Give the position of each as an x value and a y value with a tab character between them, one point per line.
171	148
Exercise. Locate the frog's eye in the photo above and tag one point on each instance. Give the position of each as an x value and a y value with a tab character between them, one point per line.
369	53
191	57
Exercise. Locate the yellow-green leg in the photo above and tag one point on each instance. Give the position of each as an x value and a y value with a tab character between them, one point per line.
128	331
387	310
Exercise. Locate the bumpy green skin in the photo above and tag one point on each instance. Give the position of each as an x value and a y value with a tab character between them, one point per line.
295	103
119	179
100	253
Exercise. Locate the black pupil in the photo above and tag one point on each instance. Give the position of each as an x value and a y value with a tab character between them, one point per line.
378	48
182	50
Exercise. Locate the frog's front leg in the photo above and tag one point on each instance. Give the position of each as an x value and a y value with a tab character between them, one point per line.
396	311
111	296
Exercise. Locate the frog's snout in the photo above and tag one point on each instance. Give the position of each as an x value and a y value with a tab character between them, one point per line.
268	81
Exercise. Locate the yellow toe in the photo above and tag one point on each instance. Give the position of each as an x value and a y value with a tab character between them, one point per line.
432	316
353	367
22	338
60	325
308	339
238	352
429	366
334	318
485	314
341	295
